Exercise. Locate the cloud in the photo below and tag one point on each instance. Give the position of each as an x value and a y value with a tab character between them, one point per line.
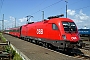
11	22
23	19
6	21
12	18
71	12
7	24
81	19
83	16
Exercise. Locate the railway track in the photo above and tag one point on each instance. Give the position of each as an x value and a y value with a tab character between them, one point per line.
86	53
77	53
37	52
81	55
87	47
86	40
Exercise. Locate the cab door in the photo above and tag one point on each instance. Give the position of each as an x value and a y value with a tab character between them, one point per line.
53	31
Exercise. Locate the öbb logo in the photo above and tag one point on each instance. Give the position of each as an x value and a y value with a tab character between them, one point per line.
73	38
39	31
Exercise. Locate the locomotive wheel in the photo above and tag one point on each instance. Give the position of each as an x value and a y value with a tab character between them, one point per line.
25	39
47	45
44	44
22	38
28	40
37	42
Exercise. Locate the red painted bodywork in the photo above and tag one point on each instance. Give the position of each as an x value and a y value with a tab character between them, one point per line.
31	30
15	31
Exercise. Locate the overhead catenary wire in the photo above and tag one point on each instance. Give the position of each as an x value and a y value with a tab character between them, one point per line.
83	7
80	7
75	2
39	4
1	5
51	5
34	8
3	15
46	7
60	8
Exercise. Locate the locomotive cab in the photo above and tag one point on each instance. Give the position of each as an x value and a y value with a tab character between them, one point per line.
70	34
70	31
64	33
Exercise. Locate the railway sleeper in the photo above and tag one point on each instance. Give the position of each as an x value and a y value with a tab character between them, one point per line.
83	56
81	44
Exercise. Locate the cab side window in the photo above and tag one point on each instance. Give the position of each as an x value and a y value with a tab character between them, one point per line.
54	27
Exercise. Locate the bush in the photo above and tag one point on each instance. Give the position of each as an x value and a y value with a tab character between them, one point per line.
2	38
9	49
17	57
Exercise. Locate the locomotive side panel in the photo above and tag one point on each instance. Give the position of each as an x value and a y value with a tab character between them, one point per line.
23	31
53	31
31	30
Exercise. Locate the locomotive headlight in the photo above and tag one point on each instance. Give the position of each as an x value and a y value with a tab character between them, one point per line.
64	37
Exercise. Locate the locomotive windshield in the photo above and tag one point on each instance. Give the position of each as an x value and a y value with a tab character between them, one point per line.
69	26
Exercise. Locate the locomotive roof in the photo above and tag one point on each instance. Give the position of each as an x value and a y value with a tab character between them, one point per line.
60	19
54	20
57	16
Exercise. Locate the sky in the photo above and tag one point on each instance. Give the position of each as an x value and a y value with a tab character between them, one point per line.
77	10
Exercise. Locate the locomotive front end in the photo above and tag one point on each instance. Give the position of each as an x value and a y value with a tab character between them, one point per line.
70	34
64	33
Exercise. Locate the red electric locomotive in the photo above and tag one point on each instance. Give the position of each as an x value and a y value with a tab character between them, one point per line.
57	32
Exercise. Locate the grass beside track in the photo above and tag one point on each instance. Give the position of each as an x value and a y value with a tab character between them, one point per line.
9	49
